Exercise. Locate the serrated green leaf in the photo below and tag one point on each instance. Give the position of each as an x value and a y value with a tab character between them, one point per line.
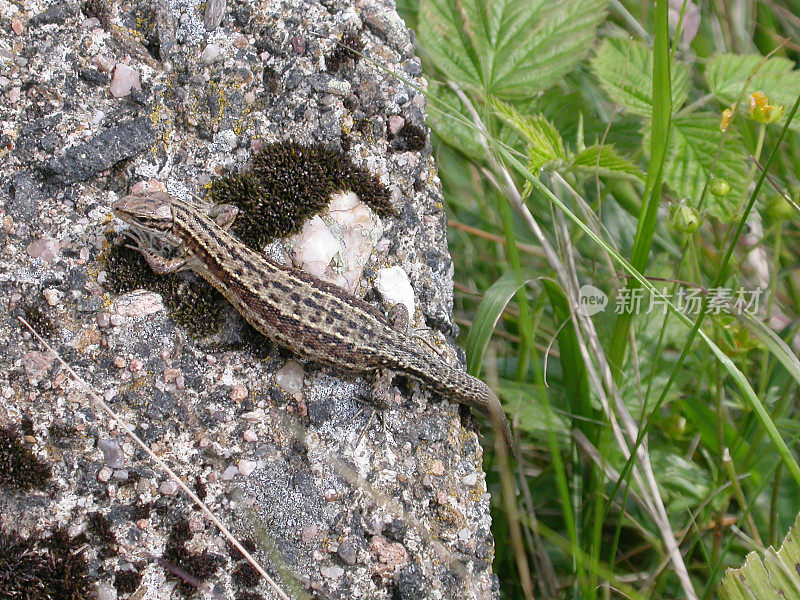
693	143
625	71
773	577
508	48
605	160
727	75
448	126
544	142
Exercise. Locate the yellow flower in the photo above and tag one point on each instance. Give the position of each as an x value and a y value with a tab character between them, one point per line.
761	111
727	117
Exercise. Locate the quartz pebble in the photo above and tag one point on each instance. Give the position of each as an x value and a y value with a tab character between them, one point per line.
168	488
246	467
113	456
125	79
210	54
394	286
45	248
290	377
229	473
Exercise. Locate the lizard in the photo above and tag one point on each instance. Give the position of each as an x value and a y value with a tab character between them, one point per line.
316	320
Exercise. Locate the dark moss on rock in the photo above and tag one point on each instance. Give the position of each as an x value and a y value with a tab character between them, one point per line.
99	529
287	183
191	301
345	51
36	316
19	467
200	566
246	575
38	568
410	138
127	581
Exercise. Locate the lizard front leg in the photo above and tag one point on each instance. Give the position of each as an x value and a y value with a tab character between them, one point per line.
158	263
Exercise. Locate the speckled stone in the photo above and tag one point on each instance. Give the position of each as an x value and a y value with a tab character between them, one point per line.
69	148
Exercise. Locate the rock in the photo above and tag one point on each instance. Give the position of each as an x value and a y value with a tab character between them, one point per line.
125	79
229	473
332	572
290	377
347	552
387	556
246	467
25	201
137	304
113	456
168	488
58	13
254	415
394	286
46	248
210	54
52	296
37	366
84	161
215	10
396	123
238	393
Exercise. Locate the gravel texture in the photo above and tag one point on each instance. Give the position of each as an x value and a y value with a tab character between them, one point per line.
353	507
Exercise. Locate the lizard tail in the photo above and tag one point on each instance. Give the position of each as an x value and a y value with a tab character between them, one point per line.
456	384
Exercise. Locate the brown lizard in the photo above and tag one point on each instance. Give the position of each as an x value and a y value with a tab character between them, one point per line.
314	319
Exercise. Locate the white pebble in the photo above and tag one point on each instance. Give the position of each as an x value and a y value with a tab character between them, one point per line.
394	286
290	377
125	79
246	467
210	54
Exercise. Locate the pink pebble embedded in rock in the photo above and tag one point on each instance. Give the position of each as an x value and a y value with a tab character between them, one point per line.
45	248
14	94
250	436
16	26
246	467
396	123
104	63
387	556
238	393
125	79
52	296
168	488
137	304
308	533
37	365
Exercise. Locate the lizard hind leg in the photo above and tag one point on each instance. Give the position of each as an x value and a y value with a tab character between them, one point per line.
381	399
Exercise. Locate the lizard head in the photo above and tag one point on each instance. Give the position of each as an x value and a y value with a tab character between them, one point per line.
147	213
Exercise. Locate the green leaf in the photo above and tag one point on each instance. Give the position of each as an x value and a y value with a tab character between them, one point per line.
625	70
508	48
573	369
532	417
544	142
605	160
447	118
769	575
693	143
727	75
491	307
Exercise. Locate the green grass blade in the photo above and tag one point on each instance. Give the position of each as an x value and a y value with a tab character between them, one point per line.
659	140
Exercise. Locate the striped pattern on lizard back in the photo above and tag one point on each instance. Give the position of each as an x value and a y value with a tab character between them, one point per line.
314	319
